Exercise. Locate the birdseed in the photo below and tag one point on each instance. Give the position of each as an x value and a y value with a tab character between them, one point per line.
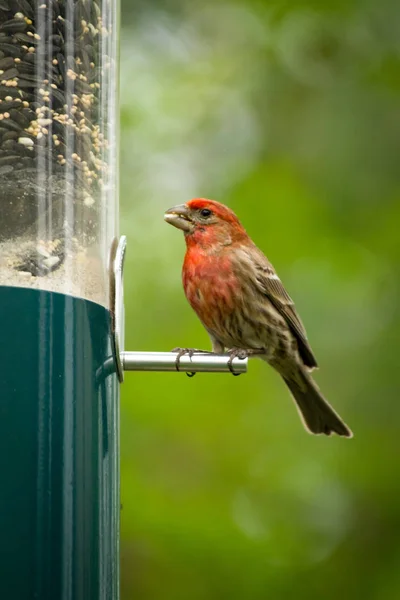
53	132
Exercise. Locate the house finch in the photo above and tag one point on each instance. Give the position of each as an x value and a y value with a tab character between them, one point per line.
244	307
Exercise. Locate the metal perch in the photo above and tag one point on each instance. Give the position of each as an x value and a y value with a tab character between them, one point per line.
197	363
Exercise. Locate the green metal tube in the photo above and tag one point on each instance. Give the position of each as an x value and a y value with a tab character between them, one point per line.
59	449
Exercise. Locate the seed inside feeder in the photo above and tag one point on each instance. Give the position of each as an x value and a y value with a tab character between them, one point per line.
51	120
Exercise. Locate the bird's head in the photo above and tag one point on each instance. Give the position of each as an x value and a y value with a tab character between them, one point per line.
206	222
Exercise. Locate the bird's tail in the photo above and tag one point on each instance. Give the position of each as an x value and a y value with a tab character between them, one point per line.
316	413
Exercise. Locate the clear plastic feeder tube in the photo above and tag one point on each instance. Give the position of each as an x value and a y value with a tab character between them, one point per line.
58	145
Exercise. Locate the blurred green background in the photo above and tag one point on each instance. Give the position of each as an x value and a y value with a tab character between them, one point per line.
289	113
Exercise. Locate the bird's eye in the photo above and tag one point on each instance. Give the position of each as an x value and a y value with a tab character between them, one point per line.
206	212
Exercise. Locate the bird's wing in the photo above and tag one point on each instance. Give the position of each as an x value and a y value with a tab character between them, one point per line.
269	284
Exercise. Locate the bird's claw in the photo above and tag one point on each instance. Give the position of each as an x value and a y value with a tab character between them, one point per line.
236	353
181	352
189	351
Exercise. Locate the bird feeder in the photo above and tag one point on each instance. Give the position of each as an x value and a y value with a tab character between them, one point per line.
62	354
59	498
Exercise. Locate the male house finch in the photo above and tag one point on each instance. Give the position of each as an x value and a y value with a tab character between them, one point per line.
244	307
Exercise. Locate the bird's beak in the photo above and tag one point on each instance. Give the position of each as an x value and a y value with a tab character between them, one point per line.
179	216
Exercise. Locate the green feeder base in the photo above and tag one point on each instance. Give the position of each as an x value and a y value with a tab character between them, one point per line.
59	449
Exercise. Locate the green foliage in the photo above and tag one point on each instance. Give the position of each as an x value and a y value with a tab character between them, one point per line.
288	112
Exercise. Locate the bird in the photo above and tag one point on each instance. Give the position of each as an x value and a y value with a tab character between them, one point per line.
243	305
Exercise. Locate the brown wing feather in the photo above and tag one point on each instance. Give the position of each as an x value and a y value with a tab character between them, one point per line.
272	287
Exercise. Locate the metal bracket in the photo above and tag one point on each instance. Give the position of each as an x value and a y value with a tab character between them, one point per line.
154	361
117	303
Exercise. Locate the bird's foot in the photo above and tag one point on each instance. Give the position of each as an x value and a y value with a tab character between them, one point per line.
240	353
189	351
